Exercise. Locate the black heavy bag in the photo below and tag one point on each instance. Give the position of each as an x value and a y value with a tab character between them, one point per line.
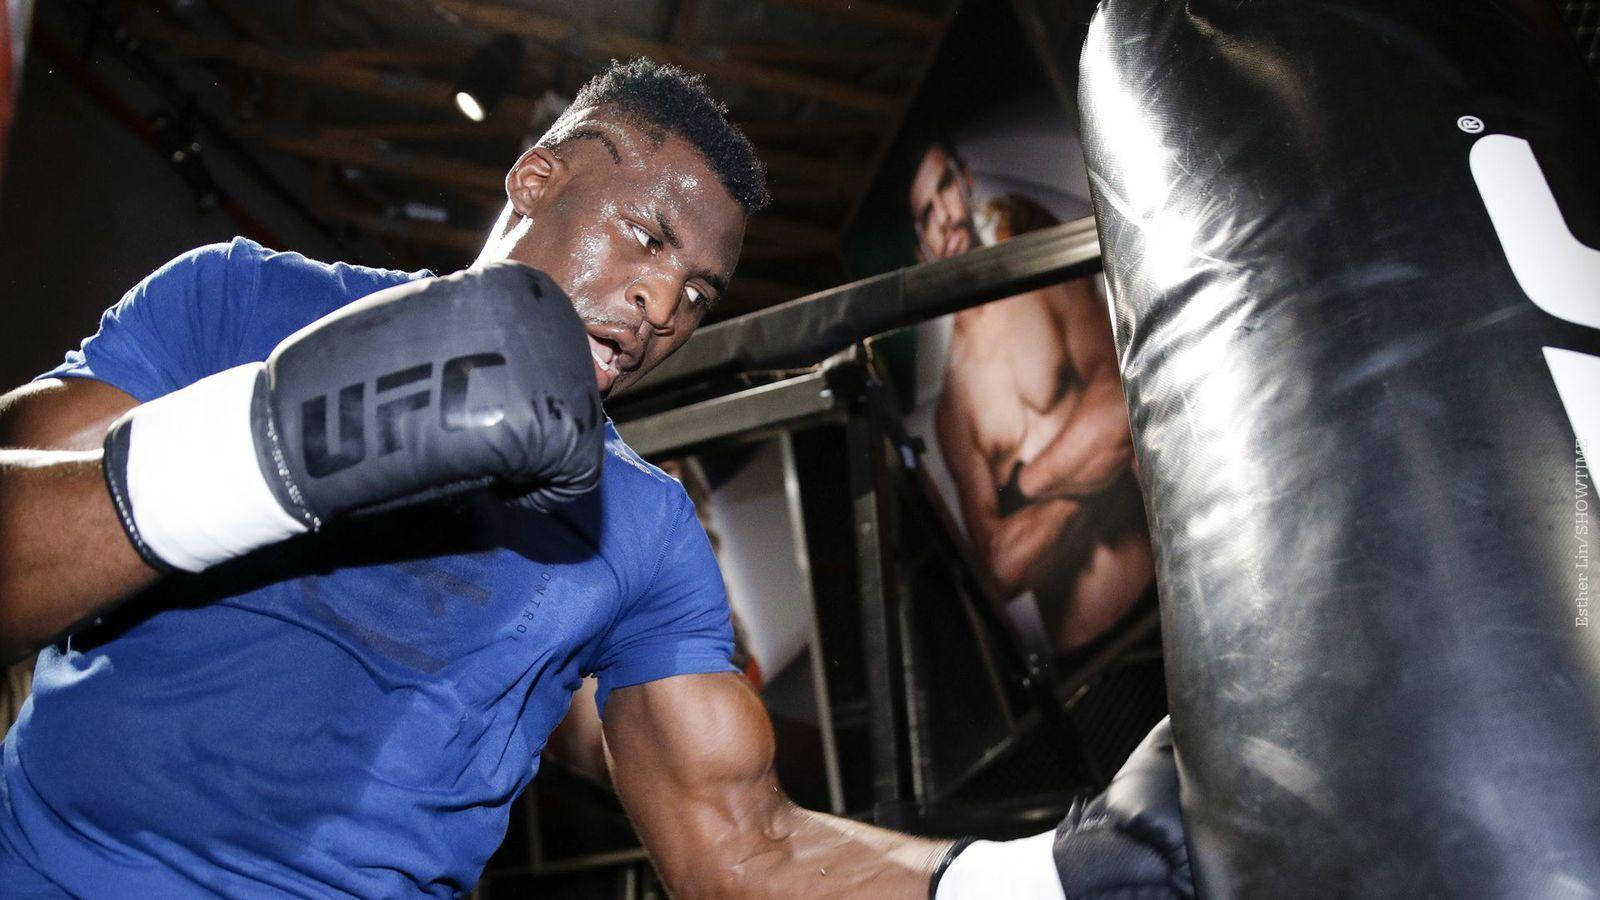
1357	303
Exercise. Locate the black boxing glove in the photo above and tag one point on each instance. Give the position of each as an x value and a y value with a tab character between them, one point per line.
1131	836
1125	844
1009	497
424	389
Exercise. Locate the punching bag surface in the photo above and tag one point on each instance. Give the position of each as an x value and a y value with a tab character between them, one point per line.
1351	246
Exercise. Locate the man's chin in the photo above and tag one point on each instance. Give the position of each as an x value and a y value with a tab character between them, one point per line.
609	387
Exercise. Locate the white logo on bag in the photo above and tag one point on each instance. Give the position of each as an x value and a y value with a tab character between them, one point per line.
1558	272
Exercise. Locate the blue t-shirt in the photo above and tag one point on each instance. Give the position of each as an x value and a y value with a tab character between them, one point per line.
352	711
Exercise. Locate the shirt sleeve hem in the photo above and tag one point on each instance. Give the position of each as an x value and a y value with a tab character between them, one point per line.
642	673
141	393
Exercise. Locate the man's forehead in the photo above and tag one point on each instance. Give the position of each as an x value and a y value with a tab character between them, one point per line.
662	162
934	163
660	174
936	155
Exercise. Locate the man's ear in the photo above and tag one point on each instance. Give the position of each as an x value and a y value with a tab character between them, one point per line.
530	177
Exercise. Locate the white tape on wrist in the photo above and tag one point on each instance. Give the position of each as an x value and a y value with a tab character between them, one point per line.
197	493
1023	869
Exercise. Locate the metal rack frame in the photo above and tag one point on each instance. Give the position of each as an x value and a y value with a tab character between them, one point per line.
840	387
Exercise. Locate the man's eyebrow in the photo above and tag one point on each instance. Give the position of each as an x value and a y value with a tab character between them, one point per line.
717	282
616	155
667	233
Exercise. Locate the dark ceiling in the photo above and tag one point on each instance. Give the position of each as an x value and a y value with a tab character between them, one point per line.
349	104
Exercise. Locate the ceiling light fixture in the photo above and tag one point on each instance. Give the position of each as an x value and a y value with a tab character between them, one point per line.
488	74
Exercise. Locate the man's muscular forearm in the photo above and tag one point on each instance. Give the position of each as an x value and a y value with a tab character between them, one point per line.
812	854
1092	449
1094	445
1016	547
63	556
692	760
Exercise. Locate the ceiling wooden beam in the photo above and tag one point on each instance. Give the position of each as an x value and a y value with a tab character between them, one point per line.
374	155
435	234
763	133
317	67
822	54
353	149
327	68
322	68
246	20
783	131
421	132
681	29
881	156
433	56
810	168
824	203
882	15
604	44
480	180
305	18
824	180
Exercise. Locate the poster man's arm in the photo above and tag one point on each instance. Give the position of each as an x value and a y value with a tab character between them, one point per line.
692	760
1094	445
1017	547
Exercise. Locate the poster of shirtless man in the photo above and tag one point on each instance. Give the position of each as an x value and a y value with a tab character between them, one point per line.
1031	422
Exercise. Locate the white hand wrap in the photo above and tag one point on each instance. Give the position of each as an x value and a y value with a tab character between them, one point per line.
1023	869
190	491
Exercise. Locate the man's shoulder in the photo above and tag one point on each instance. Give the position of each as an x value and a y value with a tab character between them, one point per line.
287	267
624	463
282	291
242	253
244	277
643	504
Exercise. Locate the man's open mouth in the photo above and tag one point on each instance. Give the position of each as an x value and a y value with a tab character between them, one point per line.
955	243
604	351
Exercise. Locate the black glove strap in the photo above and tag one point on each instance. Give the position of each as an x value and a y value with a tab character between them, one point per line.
114	466
945	861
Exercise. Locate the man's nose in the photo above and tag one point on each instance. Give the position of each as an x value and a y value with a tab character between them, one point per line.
656	298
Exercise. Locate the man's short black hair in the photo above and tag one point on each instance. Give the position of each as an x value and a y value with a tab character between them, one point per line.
663	99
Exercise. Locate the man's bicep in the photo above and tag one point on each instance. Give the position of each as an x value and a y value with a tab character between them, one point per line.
700	733
691	760
60	414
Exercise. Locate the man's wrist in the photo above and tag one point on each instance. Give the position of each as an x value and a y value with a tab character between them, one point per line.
1023	869
945	859
185	477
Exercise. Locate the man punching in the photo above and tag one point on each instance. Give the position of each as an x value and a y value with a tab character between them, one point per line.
1032	422
317	554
